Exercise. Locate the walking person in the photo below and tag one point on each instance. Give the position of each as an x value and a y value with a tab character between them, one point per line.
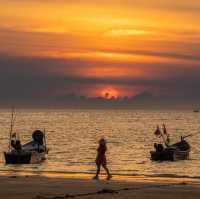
101	159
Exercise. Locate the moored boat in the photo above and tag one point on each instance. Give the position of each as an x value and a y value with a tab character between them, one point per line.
170	152
32	152
177	151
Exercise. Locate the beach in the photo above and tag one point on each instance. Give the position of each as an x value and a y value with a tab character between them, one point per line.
59	186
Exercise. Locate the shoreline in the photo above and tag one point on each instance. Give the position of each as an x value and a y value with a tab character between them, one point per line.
66	174
88	176
40	185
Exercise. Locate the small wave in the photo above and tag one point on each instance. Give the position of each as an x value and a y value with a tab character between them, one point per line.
129	160
115	173
170	175
142	162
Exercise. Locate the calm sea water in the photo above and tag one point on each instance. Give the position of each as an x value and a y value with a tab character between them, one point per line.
72	137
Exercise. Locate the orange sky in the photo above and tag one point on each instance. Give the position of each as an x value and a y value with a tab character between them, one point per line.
113	40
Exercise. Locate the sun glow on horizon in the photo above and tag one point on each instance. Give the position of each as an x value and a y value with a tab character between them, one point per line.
109	93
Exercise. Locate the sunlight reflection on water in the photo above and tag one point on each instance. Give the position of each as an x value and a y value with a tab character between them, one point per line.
72	137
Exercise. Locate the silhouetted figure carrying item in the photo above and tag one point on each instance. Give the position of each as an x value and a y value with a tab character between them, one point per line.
101	159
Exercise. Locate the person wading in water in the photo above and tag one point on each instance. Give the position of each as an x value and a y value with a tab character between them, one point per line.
101	159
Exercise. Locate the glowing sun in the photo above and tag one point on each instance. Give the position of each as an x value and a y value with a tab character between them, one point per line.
109	93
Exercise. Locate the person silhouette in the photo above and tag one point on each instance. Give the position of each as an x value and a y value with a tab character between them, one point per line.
18	146
101	159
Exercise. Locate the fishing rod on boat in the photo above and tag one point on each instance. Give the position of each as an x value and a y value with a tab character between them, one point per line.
189	135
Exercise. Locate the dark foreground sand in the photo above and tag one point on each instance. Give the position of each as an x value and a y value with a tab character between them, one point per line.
40	186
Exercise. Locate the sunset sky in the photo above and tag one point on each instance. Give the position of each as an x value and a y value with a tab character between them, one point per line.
51	48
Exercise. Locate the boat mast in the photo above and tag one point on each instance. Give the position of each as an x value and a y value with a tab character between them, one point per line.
13	117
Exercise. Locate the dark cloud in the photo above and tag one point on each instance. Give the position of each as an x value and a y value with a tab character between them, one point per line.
36	79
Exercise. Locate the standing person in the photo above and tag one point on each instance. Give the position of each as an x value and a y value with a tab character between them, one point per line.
101	159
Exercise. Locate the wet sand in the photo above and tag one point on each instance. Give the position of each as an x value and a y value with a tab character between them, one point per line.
59	186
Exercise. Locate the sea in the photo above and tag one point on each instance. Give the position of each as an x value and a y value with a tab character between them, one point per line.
72	138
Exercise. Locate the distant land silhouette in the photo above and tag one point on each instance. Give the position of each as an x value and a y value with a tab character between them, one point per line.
143	100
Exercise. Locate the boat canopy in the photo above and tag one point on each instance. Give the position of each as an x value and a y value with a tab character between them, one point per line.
32	146
36	143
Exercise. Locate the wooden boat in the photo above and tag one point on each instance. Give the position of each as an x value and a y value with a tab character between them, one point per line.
177	151
32	152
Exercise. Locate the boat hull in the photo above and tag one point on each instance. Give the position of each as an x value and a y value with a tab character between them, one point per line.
169	155
31	157
17	158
